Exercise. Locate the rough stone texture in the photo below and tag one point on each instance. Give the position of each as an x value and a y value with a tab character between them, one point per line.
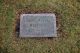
38	25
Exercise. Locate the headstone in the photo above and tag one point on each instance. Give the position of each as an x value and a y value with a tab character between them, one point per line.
38	25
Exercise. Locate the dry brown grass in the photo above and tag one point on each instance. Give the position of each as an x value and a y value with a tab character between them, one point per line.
68	23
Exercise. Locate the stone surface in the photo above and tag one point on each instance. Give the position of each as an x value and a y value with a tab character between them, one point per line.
38	25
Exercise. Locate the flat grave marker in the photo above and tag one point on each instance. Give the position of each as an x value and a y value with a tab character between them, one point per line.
38	25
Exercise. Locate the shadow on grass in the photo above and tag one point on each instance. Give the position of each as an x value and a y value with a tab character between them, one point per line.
78	44
3	50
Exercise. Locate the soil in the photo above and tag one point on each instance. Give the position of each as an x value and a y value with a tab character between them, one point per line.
31	11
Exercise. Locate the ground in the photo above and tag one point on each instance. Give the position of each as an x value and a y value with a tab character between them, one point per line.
68	24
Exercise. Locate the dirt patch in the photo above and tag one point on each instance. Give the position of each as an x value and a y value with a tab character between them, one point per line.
37	11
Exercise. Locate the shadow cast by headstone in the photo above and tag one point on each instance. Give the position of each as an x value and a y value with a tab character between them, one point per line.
17	28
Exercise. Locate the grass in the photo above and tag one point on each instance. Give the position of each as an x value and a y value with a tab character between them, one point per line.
68	12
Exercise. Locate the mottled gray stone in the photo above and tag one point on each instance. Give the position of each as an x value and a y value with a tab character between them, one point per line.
38	25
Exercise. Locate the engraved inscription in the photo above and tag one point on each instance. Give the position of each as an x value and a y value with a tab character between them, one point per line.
37	26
